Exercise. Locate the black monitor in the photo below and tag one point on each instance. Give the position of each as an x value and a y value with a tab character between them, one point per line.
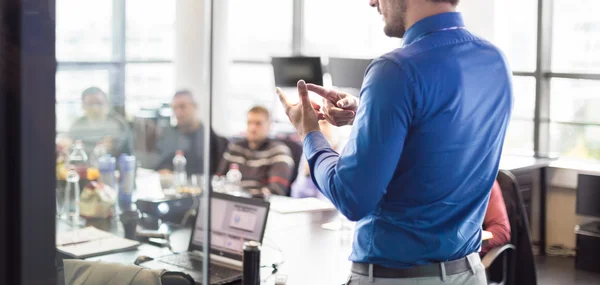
588	195
348	72
288	70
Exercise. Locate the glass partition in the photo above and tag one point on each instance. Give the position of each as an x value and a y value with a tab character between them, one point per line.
134	150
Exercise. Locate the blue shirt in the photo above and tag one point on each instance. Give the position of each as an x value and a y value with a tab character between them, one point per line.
424	149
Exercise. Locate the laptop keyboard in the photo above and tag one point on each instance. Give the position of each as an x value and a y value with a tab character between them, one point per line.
186	261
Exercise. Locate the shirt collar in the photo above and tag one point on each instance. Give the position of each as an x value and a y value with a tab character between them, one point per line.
432	24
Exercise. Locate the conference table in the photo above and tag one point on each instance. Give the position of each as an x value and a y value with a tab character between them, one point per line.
307	253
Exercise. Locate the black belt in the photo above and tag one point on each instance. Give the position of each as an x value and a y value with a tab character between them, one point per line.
430	270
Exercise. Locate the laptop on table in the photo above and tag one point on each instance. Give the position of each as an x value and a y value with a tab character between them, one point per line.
234	220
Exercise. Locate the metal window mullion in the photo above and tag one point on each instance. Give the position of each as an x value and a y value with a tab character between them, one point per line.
543	67
298	27
66	66
585	76
523	73
117	76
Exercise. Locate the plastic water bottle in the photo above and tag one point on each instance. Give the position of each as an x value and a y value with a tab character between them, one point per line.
79	159
71	200
179	170
106	166
234	180
126	182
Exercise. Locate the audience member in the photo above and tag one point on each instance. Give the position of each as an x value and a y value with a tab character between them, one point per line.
100	125
187	136
266	165
496	220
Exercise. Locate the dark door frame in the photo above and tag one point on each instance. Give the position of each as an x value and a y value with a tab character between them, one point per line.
27	132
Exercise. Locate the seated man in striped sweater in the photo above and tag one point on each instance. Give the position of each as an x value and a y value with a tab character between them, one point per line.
266	165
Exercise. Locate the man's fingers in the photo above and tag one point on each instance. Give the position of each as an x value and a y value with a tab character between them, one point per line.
303	92
346	103
284	101
315	105
323	92
340	113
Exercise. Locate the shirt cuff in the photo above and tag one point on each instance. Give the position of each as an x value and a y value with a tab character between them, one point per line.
314	142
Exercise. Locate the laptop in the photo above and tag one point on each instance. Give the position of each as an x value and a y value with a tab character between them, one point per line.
234	220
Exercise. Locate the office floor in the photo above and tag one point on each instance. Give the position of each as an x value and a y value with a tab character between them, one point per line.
561	271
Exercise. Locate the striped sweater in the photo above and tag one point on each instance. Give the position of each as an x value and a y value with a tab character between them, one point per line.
270	166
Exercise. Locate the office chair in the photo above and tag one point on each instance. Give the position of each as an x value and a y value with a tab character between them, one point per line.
496	264
513	264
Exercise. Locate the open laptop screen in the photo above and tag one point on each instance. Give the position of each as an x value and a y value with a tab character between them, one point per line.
234	220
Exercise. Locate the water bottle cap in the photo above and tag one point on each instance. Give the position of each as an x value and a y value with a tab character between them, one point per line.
234	166
179	152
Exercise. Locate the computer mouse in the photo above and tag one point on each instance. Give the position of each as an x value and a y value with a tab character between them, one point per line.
141	259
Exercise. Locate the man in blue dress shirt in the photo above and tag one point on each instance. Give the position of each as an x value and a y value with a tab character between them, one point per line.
424	149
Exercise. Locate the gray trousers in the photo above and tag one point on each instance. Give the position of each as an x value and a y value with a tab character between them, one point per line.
475	276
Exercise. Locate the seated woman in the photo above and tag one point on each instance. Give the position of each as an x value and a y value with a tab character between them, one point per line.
303	186
496	220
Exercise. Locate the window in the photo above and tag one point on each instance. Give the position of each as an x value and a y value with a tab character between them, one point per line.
148	85
69	85
524	98
576	36
135	73
574	80
519	136
150	30
515	32
357	32
575	141
84	30
574	111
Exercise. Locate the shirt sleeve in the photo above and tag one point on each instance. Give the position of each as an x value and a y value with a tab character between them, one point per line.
356	180
280	172
496	220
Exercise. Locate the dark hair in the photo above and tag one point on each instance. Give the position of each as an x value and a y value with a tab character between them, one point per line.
260	110
453	2
185	93
92	91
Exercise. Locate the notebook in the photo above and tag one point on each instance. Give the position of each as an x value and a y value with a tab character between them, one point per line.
90	241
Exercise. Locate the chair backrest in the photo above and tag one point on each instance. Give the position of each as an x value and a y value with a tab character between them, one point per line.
521	263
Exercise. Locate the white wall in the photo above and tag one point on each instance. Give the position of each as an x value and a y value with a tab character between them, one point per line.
191	62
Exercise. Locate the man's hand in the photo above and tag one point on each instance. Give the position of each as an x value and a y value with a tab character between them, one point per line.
339	108
303	114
